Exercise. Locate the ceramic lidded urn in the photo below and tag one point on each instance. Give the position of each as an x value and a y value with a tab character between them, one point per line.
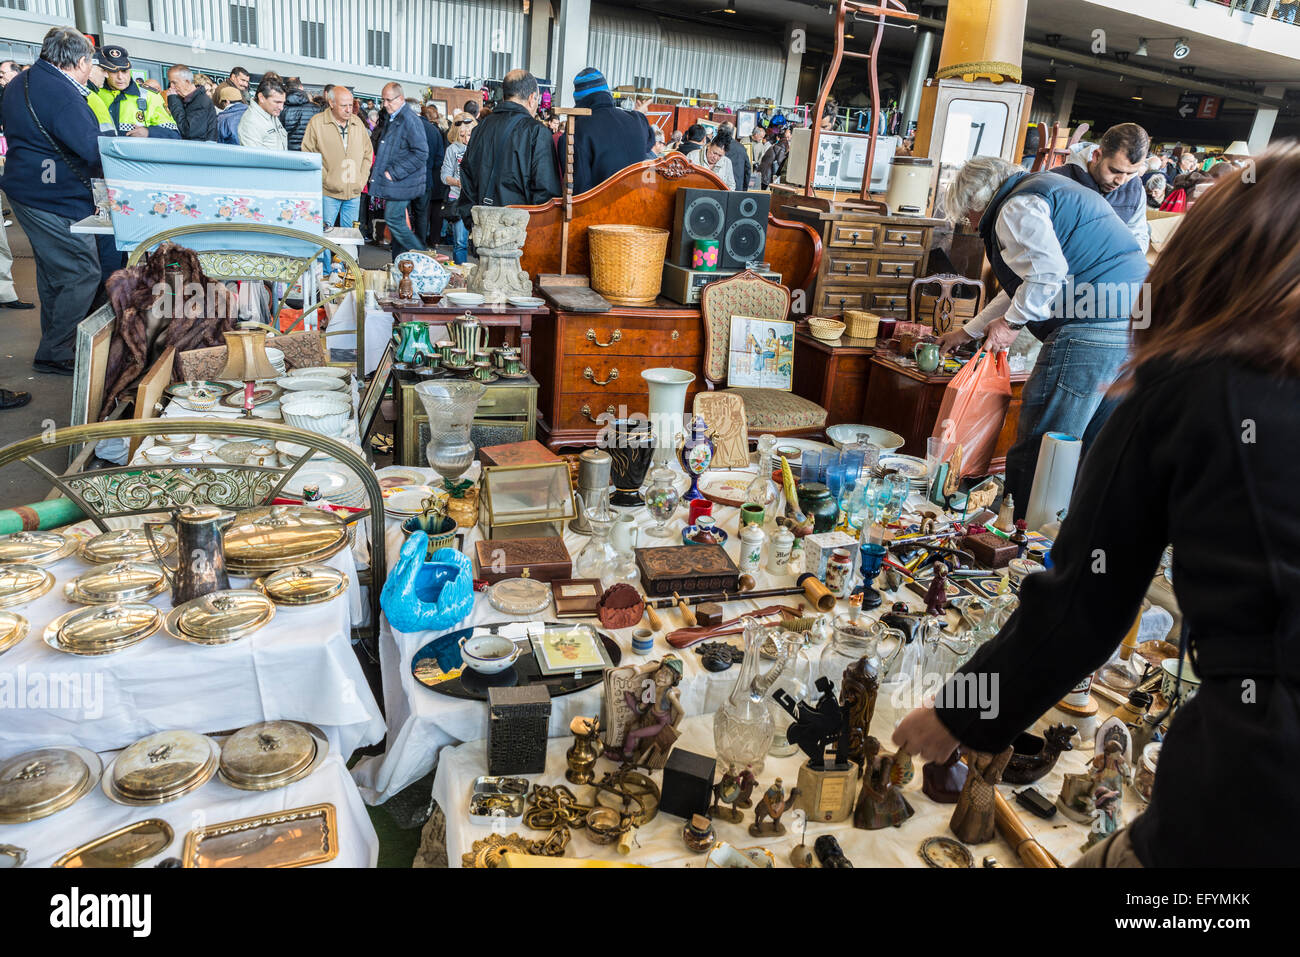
696	453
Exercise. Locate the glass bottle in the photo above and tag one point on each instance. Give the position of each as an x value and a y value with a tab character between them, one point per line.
662	499
597	554
795	683
853	638
621	569
1019	538
762	491
743	726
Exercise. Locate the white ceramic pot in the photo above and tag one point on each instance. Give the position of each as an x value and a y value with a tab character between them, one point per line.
489	654
667	406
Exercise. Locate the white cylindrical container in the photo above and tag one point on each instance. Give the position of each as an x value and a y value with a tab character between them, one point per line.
1058	461
751	549
909	185
667	404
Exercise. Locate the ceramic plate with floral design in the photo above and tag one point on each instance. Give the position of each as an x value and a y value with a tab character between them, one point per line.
428	276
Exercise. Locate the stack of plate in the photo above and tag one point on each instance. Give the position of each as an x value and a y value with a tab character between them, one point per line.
36	548
338	484
303	584
271	754
910	467
161	768
125	581
266	539
311	383
39	783
220	617
128	544
277	359
20	582
102	629
409	501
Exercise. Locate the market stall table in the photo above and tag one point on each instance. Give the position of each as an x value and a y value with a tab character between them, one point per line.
211	804
518	320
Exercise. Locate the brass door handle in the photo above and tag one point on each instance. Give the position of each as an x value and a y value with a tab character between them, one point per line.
617	335
587	373
586	412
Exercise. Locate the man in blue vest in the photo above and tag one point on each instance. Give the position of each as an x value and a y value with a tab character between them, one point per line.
1114	170
1071	273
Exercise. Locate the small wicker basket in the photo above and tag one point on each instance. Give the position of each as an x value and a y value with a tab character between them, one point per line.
627	262
826	329
861	325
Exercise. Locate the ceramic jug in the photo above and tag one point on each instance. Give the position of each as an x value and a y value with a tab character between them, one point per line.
927	356
469	335
200	556
412	341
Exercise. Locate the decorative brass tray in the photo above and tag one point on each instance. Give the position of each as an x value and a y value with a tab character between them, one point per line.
125	847
295	838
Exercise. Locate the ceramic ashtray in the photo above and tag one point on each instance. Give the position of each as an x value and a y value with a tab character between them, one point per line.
489	654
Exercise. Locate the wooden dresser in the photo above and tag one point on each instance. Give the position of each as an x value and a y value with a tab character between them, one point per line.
869	262
834	376
590	364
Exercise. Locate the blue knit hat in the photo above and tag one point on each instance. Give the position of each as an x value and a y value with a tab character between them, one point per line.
589	81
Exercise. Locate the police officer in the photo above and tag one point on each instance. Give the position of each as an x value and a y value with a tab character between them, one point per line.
133	110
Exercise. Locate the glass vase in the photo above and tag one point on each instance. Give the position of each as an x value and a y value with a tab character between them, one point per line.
450	407
743	726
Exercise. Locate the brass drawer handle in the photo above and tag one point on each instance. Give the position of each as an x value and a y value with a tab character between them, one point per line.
587	373
855	238
900	238
676	335
586	412
848	268
617	336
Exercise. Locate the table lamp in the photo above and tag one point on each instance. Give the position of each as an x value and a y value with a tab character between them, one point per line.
246	361
1237	149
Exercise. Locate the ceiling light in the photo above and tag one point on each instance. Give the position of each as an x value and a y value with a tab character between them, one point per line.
1142	47
1138	95
1181	49
1051	76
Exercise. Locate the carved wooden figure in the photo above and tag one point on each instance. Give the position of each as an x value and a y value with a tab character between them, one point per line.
973	819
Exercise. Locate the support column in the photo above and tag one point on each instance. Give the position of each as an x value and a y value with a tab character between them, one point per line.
1261	131
574	26
1064	101
911	104
539	51
796	44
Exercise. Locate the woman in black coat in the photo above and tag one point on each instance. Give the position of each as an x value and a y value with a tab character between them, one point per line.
1200	454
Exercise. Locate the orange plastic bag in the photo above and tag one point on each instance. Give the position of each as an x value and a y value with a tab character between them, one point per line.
973	410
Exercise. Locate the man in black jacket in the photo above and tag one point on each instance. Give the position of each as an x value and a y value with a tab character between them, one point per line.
509	160
740	164
609	139
426	210
695	141
190	106
298	111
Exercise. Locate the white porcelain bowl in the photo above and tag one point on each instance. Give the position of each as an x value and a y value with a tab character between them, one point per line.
332	372
324	415
309	383
313	394
885	440
158	454
489	654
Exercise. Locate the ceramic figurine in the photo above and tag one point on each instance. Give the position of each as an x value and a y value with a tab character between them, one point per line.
428	596
734	789
1033	757
405	287
648	711
973	819
767	814
880	802
698	834
585	752
858	696
936	598
942	783
1106	816
1108	769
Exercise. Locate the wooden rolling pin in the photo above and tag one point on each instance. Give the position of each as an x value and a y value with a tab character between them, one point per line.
1013	830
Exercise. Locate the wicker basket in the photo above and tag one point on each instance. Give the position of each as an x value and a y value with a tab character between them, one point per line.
861	325
825	329
627	262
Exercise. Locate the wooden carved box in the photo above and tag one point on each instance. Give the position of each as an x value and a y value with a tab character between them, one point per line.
545	559
686	569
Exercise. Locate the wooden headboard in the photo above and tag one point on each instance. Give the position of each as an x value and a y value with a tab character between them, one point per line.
646	195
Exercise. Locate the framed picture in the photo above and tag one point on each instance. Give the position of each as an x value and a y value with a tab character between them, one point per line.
440	106
746	120
565	649
761	354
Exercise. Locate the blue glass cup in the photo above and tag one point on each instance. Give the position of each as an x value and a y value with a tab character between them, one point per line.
871	560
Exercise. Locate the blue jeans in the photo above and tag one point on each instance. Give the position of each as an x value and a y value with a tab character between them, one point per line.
459	241
338	212
404	240
1065	391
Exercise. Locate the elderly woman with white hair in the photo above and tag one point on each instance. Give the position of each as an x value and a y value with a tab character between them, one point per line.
1070	272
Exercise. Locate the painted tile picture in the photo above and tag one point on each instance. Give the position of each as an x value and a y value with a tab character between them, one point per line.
761	354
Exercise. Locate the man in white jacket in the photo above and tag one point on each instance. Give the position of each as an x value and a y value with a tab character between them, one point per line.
260	126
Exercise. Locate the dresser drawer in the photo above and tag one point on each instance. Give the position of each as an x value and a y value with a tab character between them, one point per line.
895	268
854	235
597	375
582	410
498	401
836	299
603	337
879	302
903	237
848	267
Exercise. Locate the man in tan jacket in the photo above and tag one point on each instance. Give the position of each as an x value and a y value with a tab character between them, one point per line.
346	155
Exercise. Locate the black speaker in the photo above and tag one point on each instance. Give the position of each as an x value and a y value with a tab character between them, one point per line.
700	214
745	236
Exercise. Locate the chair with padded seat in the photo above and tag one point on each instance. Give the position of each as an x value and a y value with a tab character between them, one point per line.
748	294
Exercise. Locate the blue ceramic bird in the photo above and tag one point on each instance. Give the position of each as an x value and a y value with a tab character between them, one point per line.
428	596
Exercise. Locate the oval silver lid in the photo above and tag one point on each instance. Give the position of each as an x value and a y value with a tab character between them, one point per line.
22	582
30	546
124	581
109	626
127	544
224	615
267	754
38	783
303	584
163	764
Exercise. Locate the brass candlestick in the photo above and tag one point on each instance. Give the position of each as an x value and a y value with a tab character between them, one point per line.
585	751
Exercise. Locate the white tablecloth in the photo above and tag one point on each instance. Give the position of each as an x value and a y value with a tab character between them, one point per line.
660	843
299	666
214	803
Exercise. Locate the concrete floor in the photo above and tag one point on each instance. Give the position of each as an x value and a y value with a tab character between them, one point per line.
51	394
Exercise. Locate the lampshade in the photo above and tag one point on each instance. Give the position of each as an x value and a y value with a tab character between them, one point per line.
1237	148
983	39
246	357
